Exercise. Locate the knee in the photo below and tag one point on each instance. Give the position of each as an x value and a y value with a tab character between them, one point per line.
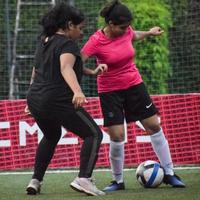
153	128
117	137
117	133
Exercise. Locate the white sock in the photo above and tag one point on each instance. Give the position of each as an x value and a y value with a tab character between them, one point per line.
117	160
161	148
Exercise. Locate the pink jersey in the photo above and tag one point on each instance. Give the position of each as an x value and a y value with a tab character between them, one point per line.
118	54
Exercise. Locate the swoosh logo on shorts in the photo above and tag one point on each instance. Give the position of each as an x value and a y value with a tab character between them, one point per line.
149	105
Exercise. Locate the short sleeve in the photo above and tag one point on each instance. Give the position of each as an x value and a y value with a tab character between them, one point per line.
70	47
133	35
90	47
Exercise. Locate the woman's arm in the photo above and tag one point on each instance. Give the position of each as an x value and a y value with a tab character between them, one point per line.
67	61
155	31
26	110
86	70
101	68
32	75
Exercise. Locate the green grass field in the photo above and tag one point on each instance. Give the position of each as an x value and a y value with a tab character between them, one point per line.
56	187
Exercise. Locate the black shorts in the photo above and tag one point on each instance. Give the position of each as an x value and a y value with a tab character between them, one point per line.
131	104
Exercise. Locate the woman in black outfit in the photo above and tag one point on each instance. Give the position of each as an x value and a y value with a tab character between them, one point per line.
55	97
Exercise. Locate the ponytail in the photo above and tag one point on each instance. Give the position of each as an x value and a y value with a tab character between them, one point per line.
116	12
108	8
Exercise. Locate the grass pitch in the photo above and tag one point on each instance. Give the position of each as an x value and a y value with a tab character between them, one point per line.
56	187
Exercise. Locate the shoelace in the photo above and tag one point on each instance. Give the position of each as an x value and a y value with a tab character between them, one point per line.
92	180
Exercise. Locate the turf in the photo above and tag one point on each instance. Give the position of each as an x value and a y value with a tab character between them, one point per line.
56	187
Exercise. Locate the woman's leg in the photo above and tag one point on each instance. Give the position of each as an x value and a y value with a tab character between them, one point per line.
116	153
112	105
159	143
44	152
161	148
46	147
82	124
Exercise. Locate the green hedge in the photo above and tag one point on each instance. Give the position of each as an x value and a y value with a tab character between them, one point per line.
152	55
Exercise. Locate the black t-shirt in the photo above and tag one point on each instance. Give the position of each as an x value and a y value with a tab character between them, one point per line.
49	90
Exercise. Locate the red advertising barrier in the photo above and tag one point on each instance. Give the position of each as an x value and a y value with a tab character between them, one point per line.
180	119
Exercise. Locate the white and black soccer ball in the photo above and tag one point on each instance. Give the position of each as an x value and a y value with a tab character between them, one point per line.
150	174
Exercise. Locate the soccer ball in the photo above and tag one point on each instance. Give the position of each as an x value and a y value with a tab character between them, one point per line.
150	174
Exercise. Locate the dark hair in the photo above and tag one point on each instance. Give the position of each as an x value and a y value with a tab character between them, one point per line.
58	17
116	12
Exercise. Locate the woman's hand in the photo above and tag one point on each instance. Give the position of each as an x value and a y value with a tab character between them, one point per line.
79	99
156	31
101	68
27	111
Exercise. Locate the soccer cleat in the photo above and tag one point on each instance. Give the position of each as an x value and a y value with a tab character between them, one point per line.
33	187
114	186
87	186
173	180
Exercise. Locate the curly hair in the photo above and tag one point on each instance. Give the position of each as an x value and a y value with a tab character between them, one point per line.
58	17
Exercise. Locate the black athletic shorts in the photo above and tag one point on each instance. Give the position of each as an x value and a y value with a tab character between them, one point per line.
131	104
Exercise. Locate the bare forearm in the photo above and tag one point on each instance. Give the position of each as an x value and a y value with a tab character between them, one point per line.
32	76
71	79
155	31
88	71
140	35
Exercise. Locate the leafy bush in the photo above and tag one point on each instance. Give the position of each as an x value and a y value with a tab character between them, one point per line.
152	54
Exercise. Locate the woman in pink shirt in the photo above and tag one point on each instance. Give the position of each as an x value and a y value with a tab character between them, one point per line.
122	92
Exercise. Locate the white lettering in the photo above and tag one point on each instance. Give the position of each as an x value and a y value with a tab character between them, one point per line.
143	139
64	141
24	128
5	143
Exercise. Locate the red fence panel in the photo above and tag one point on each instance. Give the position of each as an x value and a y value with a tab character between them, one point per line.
180	119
